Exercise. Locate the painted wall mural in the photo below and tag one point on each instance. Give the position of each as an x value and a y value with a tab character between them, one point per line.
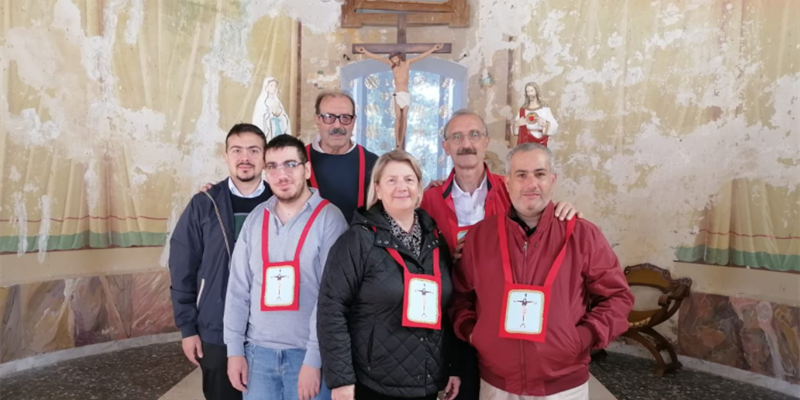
110	113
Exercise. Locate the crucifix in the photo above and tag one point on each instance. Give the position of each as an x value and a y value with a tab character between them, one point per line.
424	292
401	99
279	277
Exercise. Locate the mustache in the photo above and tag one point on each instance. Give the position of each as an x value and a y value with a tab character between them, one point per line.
337	131
245	163
467	151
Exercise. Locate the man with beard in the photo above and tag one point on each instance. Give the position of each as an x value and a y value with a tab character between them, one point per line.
401	99
527	258
271	307
469	194
200	252
340	168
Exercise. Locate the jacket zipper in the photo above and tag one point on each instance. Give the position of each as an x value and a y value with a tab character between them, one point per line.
369	349
200	293
521	345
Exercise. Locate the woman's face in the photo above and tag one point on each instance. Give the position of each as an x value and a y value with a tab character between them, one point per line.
398	187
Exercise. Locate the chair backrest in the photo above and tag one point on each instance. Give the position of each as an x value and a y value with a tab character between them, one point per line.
649	276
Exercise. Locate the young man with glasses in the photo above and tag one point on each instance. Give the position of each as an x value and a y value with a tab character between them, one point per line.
271	307
340	168
200	252
466	197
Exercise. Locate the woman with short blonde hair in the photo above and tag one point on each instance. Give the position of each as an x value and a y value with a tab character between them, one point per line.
396	155
381	321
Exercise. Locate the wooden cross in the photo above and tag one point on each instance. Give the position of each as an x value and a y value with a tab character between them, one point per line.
401	45
400	71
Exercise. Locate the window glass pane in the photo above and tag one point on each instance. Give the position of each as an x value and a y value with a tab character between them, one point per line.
424	121
379	127
432	103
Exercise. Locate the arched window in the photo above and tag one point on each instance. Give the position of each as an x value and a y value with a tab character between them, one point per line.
437	89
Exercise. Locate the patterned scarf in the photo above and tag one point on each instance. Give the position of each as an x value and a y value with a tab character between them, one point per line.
413	240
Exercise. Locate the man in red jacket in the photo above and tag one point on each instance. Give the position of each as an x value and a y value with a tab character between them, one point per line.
533	277
469	194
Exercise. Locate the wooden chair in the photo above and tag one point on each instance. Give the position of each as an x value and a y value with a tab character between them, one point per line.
642	322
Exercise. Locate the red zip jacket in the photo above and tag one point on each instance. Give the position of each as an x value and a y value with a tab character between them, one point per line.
590	270
438	203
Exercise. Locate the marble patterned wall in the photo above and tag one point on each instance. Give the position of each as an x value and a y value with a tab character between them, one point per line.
753	335
43	317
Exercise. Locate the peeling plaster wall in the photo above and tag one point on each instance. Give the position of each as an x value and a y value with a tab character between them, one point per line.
110	113
619	161
111	116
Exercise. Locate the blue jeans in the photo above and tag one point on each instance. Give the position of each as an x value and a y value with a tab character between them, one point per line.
272	374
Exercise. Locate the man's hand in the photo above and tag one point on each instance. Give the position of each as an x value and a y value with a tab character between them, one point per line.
344	393
566	211
205	188
451	390
237	372
459	249
438	46
192	349
308	382
434	183
360	49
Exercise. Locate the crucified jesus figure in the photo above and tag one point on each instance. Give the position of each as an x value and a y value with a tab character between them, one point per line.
279	277
401	98
424	292
524	303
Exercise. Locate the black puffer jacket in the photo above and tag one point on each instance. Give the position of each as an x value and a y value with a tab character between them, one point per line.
359	316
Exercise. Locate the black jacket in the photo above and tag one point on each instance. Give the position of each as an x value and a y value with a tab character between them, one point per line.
359	315
199	264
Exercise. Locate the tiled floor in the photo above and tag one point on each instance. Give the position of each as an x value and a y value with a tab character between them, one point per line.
632	378
161	372
143	373
190	388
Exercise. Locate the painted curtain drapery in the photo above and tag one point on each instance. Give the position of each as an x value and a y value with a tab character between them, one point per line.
114	112
747	224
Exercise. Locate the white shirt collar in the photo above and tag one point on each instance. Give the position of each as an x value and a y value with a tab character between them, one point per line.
460	193
237	193
470	208
316	146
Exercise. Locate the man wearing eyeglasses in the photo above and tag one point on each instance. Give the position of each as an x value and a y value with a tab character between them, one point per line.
340	168
466	197
271	307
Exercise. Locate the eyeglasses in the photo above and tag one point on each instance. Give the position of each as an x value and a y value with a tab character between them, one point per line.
273	168
458	137
344	119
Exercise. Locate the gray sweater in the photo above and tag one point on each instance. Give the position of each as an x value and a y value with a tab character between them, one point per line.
279	330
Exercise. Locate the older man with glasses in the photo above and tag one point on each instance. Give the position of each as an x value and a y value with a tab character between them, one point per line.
340	168
470	194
